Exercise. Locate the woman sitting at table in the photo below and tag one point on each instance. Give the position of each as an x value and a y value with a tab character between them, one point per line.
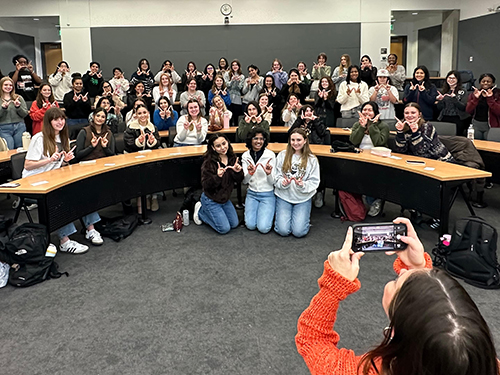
291	110
144	75
295	182
384	94
48	150
164	89
484	106
352	93
141	134
12	113
417	137
218	114
219	172
367	133
451	102
258	166
113	114
219	89
274	99
340	73
325	101
137	92
165	115
252	118
131	115
434	326
295	86
192	93
44	100
422	91
234	81
266	108
311	124
191	128
96	140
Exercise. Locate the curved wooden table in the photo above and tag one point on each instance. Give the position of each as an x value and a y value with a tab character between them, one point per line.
68	193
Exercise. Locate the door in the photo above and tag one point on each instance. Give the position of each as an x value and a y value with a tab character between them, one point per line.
398	47
52	55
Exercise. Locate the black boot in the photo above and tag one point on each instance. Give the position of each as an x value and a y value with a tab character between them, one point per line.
479	203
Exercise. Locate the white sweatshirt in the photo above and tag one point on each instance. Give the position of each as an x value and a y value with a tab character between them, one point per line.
260	181
352	100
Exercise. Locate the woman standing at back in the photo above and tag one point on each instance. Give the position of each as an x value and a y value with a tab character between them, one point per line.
421	91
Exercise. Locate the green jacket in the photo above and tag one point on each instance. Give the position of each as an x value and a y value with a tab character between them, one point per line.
379	133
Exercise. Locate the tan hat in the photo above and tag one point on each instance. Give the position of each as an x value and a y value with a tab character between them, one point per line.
382	73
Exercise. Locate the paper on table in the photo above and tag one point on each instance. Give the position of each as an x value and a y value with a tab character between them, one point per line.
429	169
143	151
395	157
109	164
39	183
140	156
88	162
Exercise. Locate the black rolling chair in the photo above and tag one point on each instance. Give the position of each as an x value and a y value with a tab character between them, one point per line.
17	166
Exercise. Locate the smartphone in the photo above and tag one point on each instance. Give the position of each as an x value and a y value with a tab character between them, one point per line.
378	237
415	162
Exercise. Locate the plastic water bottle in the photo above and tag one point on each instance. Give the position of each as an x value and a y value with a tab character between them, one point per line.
470	132
185	217
26	138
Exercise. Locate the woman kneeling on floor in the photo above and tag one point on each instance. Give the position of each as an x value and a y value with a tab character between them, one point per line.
296	181
48	150
258	166
219	172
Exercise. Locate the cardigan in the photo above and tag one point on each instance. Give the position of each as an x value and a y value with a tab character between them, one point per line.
316	339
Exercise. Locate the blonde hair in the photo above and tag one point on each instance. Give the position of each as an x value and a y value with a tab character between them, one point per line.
306	151
13	94
223	102
169	81
347	65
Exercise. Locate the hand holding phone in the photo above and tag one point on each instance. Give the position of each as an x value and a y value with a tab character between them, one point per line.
378	237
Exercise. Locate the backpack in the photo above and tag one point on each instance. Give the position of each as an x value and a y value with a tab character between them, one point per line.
117	228
351	206
472	253
26	253
339	146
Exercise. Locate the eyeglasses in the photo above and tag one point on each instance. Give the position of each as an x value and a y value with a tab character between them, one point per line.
257	139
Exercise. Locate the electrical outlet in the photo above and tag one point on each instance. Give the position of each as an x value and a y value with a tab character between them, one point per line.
471	58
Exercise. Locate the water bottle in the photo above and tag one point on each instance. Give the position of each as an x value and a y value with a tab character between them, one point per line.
185	217
470	132
226	120
26	140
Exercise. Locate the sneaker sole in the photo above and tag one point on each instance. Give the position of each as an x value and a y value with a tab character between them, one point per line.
72	252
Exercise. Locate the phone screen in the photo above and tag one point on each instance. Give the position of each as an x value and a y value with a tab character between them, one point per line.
378	237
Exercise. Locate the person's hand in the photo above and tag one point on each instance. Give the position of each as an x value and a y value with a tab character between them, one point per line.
251	169
378	87
17	102
399	124
99	74
220	170
45	104
363	120
151	138
139	71
85	97
477	93
268	168
375	119
198	126
413	255
299	181
94	141
421	87
55	156
30	66
440	97
236	167
258	119
247	118
488	93
345	261
68	155
142	137
413	87
349	90
413	125
104	141
285	182
162	114
5	103
18	66
358	90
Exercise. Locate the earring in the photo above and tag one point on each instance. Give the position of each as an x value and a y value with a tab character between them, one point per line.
388	333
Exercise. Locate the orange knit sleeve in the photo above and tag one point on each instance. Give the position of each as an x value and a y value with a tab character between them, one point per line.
399	265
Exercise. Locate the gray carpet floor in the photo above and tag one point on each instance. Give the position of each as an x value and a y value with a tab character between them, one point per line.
197	302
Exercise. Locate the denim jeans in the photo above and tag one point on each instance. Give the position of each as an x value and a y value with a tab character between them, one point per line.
220	216
292	218
259	210
351	113
13	134
69	229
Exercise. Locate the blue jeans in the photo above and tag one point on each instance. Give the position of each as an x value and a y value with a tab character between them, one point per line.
292	218
259	210
220	216
69	229
13	134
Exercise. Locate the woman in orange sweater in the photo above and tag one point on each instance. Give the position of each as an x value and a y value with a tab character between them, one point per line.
434	326
44	100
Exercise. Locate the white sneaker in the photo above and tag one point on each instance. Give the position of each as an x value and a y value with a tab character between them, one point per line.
318	200
94	237
196	217
15	204
32	206
73	247
375	208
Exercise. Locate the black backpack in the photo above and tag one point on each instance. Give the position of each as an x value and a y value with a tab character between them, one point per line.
25	252
472	253
117	228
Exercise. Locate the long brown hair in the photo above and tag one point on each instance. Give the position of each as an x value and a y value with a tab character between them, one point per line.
49	134
169	87
420	122
39	97
306	151
231	71
189	118
214	86
13	94
348	63
435	328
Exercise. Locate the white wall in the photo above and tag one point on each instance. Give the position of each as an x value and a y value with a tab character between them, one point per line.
78	16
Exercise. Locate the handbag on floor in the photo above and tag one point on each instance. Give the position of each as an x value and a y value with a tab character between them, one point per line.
472	253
